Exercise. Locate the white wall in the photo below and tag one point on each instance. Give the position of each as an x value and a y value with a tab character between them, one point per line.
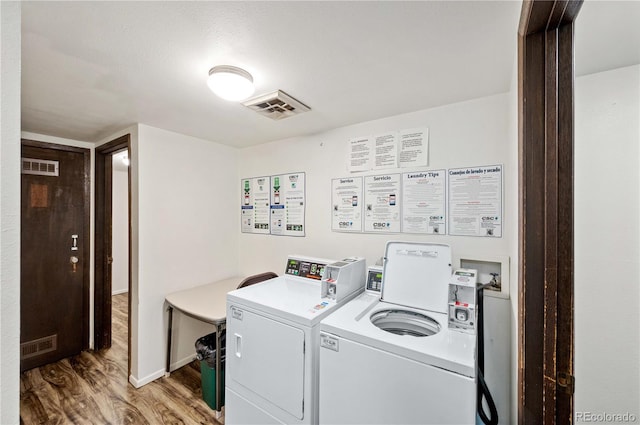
607	242
10	13
464	134
120	229
476	132
185	235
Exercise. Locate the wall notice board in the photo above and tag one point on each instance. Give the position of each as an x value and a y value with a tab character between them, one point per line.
456	201
273	205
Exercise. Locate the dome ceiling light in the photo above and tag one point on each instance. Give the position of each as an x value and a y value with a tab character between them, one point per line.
230	82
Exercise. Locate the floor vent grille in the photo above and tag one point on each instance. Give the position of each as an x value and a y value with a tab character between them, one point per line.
40	167
276	105
38	346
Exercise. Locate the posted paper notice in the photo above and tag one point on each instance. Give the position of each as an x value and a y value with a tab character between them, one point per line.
288	204
385	151
475	201
360	154
382	201
346	204
424	202
414	147
255	205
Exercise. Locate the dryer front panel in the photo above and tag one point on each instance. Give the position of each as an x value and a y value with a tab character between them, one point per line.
257	361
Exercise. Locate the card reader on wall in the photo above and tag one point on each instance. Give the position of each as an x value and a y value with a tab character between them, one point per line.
343	278
463	300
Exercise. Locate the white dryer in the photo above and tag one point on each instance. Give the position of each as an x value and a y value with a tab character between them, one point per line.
391	358
272	342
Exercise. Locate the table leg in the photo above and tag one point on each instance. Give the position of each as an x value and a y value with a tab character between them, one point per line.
218	371
169	326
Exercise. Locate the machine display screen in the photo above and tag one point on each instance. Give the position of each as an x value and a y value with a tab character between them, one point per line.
308	269
461	273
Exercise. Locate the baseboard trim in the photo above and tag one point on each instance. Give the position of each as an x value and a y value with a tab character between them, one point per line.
144	381
160	373
183	362
120	291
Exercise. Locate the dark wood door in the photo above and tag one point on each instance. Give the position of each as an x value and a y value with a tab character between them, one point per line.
54	291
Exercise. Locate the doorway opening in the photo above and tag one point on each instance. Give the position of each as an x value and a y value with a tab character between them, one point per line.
112	239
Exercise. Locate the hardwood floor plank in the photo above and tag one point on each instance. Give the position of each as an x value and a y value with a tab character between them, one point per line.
52	409
78	399
172	396
93	388
33	407
127	413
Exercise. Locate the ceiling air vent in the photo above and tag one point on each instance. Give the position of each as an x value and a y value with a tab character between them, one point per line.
276	105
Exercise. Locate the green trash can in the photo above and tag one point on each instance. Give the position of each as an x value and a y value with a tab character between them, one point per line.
206	352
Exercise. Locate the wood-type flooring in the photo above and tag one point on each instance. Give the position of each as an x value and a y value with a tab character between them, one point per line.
92	388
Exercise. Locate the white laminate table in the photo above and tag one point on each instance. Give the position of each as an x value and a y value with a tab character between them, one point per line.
207	303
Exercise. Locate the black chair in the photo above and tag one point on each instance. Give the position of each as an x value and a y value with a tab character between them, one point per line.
257	278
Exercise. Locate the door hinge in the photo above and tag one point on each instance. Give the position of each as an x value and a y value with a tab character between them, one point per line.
109	260
566	383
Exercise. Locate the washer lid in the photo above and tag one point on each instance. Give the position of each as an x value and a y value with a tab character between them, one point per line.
417	275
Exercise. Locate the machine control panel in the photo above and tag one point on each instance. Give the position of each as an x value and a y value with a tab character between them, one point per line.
305	268
374	279
343	278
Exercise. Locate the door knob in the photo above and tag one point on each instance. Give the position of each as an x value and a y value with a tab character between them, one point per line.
73	260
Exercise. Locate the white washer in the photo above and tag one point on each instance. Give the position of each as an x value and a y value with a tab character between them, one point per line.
369	375
272	346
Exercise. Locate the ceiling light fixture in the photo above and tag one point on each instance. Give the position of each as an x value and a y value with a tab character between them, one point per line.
230	82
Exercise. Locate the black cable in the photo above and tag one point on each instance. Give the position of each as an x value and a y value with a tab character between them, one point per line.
483	390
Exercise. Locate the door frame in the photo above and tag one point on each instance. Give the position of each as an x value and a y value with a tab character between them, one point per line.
86	227
546	137
103	241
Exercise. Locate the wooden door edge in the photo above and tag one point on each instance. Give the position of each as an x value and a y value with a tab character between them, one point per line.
102	294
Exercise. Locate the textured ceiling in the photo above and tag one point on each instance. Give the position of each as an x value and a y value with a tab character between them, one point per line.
92	68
